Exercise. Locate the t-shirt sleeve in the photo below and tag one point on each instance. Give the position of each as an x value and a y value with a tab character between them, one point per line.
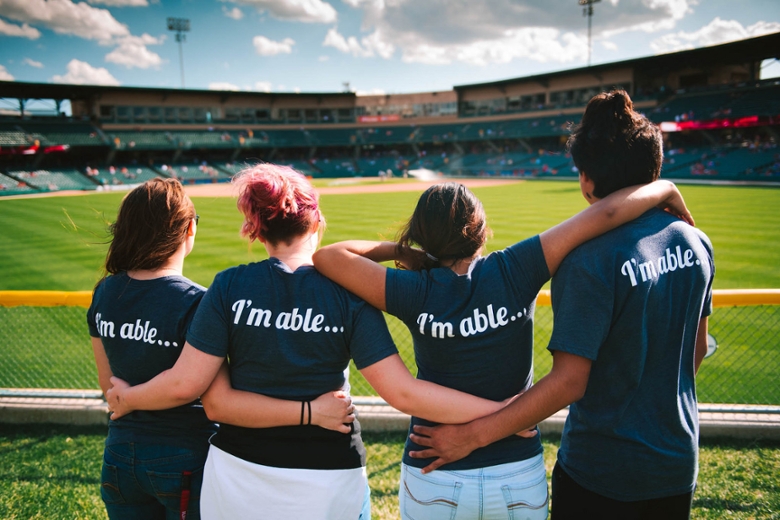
707	307
370	341
209	331
582	310
405	293
91	323
526	265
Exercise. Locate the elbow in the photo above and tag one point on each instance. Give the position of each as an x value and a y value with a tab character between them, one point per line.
402	402
213	411
185	394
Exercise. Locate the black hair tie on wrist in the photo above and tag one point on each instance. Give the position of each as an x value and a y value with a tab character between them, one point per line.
308	405
302	406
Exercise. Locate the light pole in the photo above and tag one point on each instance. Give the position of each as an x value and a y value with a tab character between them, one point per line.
587	10
180	25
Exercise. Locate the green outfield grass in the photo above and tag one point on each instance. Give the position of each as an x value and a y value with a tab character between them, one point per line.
53	472
59	243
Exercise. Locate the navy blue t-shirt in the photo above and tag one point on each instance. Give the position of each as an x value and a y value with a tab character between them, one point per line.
288	335
142	325
474	333
631	301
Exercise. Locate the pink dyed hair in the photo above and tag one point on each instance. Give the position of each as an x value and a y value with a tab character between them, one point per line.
278	203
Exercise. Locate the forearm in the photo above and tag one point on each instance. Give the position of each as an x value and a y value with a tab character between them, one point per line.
396	385
251	410
336	253
440	404
629	203
549	395
102	365
164	391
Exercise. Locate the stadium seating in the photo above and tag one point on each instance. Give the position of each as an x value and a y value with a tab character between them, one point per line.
55	180
10	186
118	175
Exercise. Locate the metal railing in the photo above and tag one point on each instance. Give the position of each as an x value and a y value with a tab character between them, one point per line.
45	349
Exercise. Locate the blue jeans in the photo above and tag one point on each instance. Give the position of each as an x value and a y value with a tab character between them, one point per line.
365	514
146	480
517	490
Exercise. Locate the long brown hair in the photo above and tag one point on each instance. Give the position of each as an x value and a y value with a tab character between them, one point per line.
448	224
152	222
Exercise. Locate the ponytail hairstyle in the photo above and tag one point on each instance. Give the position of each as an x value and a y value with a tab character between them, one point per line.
614	145
277	202
448	224
152	222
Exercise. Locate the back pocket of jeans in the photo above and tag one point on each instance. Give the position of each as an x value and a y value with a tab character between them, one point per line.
109	485
427	498
168	488
526	500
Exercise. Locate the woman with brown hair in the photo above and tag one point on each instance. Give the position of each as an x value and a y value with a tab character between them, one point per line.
471	320
138	320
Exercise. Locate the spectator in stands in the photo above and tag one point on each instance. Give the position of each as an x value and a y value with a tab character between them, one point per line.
471	319
630	332
138	319
308	328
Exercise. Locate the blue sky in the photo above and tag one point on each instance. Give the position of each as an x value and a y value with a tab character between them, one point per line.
378	46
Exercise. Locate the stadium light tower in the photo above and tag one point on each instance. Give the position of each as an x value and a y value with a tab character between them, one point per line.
587	10
180	25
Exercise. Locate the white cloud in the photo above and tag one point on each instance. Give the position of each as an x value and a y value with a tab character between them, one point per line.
91	23
235	13
5	75
610	46
309	11
266	47
33	63
121	3
497	31
66	17
132	52
82	73
534	43
367	47
223	85
323	58
263	86
716	32
23	31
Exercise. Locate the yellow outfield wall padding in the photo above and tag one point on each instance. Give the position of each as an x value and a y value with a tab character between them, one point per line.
45	298
720	298
744	297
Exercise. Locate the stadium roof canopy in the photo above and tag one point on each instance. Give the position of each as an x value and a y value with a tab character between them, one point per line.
750	50
21	90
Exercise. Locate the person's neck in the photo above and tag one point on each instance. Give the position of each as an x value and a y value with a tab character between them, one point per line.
172	267
462	265
297	253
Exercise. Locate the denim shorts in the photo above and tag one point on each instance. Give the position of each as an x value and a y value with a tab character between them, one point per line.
142	480
514	491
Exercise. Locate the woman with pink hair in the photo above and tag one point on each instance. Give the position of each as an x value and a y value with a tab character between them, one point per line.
288	333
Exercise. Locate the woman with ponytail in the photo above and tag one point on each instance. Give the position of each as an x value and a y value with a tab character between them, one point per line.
471	320
287	333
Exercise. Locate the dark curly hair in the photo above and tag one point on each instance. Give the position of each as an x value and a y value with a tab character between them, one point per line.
614	145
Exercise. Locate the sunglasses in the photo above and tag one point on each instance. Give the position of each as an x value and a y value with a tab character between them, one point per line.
197	218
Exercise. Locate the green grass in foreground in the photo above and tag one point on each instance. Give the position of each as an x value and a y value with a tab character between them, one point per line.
53	472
